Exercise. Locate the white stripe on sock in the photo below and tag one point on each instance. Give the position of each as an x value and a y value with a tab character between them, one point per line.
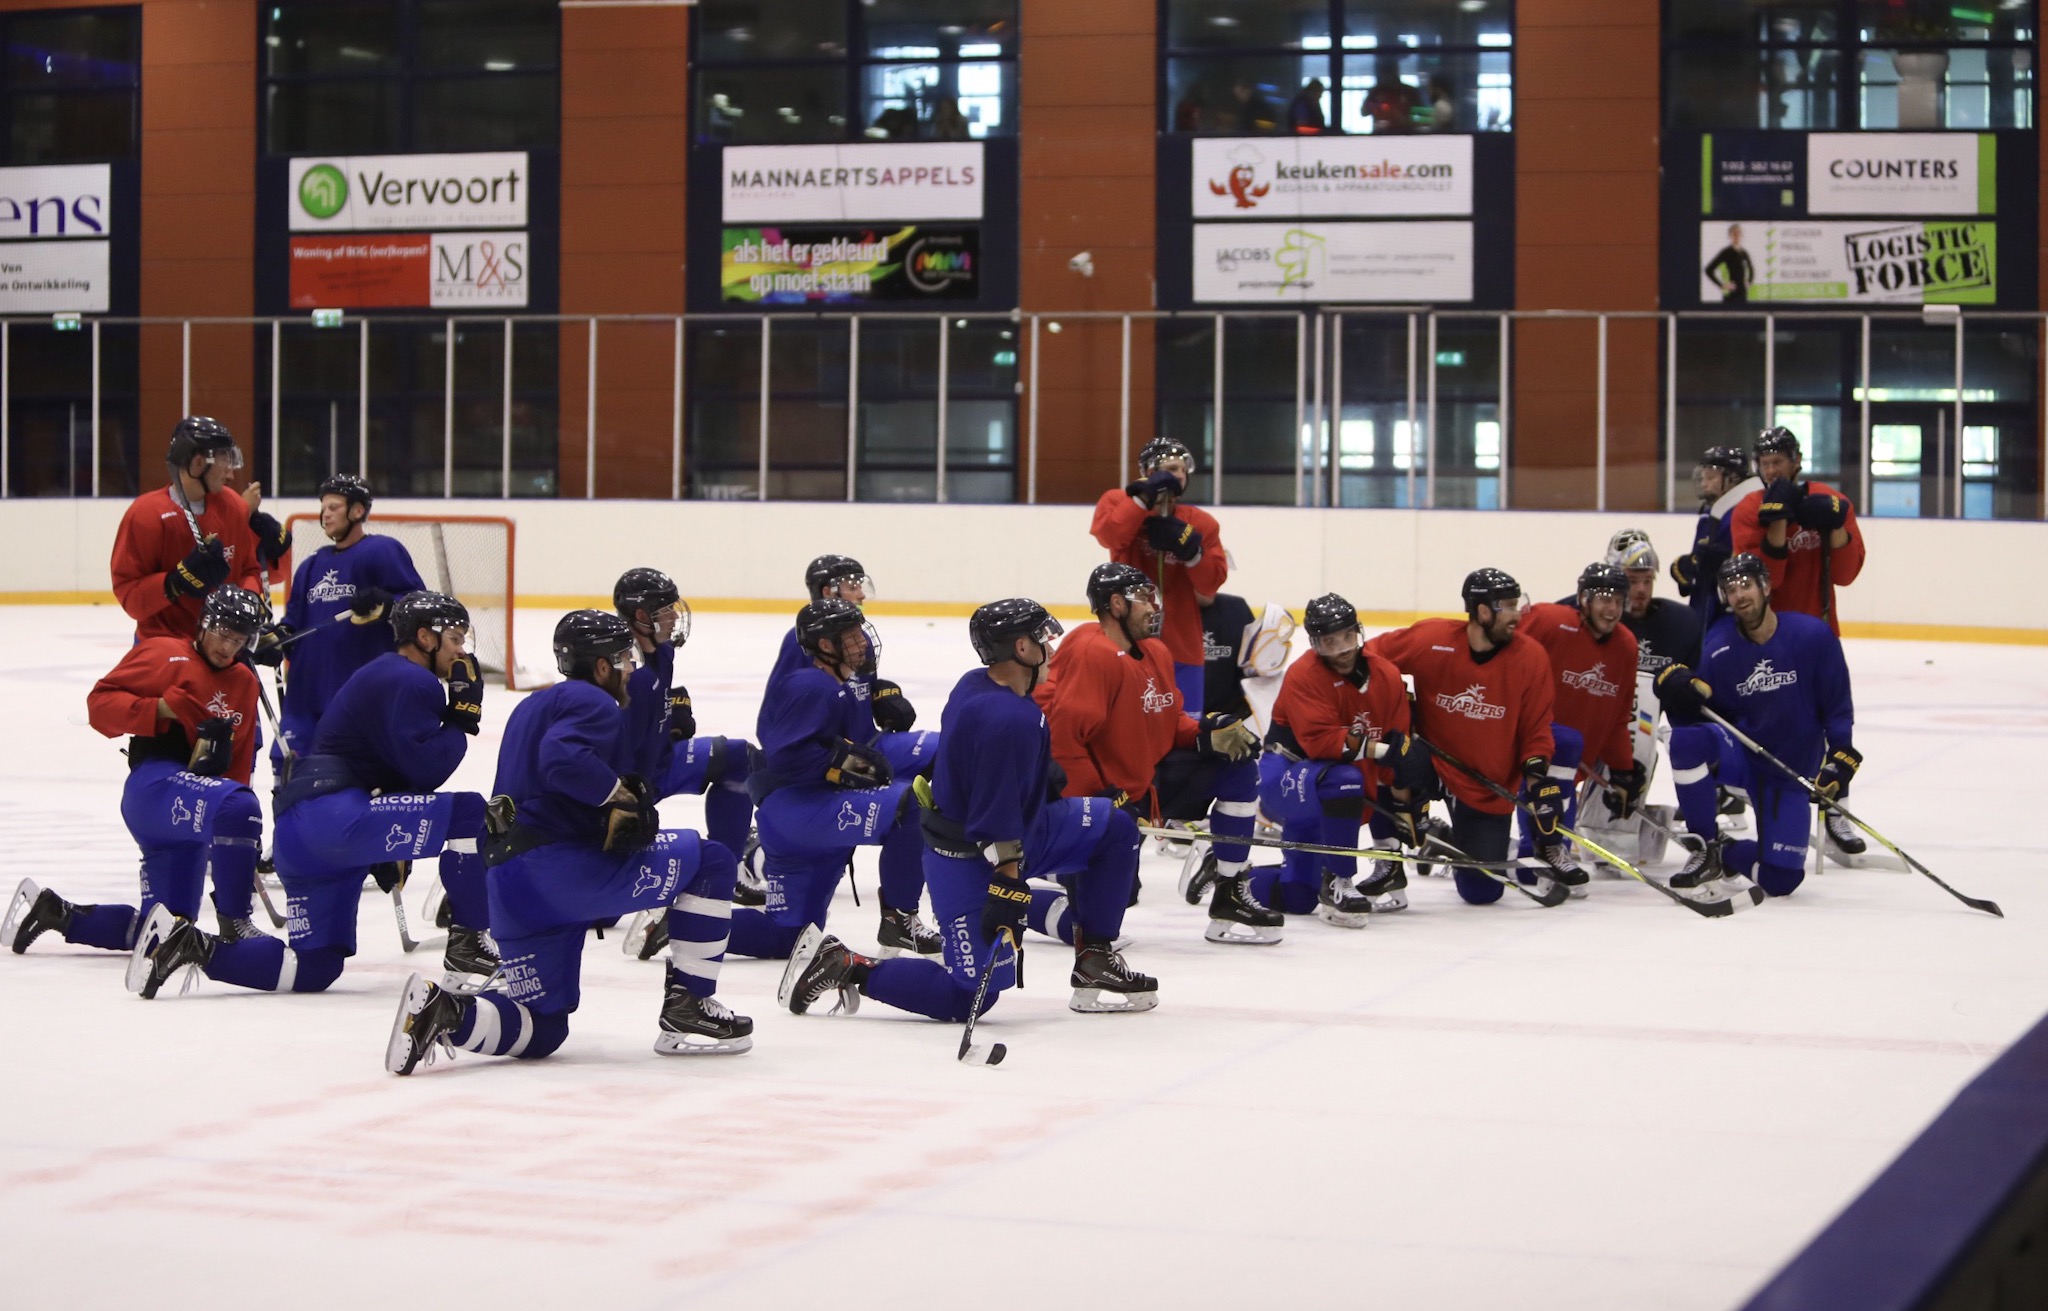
460	846
689	903
1692	775
288	973
525	1030
1245	808
483	1035
695	959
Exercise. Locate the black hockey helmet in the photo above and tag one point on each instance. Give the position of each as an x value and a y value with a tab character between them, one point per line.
1165	448
583	637
1114	579
416	612
831	570
1738	567
198	435
1731	460
1777	441
349	487
1327	614
832	618
995	628
1600	576
236	609
643	589
1630	549
1488	587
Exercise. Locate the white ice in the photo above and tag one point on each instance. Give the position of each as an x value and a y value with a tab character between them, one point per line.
1613	1104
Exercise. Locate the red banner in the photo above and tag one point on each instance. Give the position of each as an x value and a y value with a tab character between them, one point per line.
361	272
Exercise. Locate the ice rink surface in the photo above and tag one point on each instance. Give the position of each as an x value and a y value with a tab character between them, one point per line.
1613	1104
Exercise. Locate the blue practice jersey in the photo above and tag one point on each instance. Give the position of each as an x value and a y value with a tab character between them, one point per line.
647	690
1791	693
386	723
1713	533
323	587
566	747
790	658
805	714
994	752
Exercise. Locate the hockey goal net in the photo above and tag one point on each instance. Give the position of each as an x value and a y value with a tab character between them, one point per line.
466	557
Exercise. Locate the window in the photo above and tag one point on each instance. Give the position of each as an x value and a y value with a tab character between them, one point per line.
72	85
770	71
1848	64
1360	66
396	76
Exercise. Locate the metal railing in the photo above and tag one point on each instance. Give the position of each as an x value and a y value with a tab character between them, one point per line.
1320	398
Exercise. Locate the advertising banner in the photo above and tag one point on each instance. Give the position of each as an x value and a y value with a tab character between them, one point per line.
45	277
56	203
1282	263
850	265
479	270
1873	262
415	192
1901	173
882	181
1752	174
1333	177
441	270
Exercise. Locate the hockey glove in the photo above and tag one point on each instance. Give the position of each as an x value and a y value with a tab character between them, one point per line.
268	648
1408	817
273	543
1009	902
1174	537
1408	761
1823	511
1543	796
465	696
1684	572
682	715
391	874
1681	691
368	605
1625	790
893	711
1055	781
1226	736
856	766
1836	771
202	570
1138	807
214	748
630	820
1149	490
1780	503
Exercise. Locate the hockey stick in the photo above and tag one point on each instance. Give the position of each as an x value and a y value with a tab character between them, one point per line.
1738	898
1450	855
993	1054
1318	849
1709	909
1829	803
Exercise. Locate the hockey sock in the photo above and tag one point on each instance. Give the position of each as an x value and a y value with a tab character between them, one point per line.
903	867
462	878
1233	819
923	987
1694	748
1780	880
728	814
1279	887
1052	912
236	843
755	934
111	928
700	919
1102	892
497	1026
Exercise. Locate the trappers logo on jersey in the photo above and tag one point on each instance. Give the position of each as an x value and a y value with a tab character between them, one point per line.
331	588
1765	679
218	708
1806	539
1471	703
1155	701
1593	681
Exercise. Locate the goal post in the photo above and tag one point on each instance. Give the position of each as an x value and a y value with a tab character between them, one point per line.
468	557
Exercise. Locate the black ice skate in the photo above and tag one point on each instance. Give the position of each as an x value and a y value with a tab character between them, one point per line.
1559	856
1236	916
1104	985
165	946
1702	866
699	1026
32	912
902	931
1433	827
427	1015
1842	836
821	964
1386	886
1340	904
1197	874
238	928
750	889
470	961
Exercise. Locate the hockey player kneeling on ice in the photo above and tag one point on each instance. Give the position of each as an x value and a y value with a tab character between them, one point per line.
986	821
1119	732
824	788
660	717
362	798
1779	677
1485	696
575	838
1317	772
891	730
190	706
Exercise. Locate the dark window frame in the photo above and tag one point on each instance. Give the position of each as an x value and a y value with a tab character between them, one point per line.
11	93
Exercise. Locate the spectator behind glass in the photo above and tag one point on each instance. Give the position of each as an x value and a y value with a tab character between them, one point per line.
1256	112
1305	112
1192	113
948	123
1443	105
1390	105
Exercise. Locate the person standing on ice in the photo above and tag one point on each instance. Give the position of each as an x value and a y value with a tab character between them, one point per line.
1148	525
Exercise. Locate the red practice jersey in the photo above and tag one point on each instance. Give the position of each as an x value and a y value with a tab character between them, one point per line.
172	669
1796	583
1113	716
1595	686
1316	708
154	537
1120	527
1491	715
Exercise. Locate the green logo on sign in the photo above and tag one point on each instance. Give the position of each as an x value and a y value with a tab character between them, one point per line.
323	191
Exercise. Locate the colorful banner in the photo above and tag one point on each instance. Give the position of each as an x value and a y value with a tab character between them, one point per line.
1336	177
1901	173
440	270
418	192
1752	174
71	202
884	181
1874	262
479	269
849	265
1316	262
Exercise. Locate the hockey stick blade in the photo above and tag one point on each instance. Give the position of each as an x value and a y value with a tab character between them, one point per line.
405	938
1318	849
969	1053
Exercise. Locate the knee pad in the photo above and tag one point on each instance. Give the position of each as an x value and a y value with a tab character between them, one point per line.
1120	830
550	1029
1351	808
466	816
1476	889
1692	745
240	816
1779	880
318	969
732	763
717	870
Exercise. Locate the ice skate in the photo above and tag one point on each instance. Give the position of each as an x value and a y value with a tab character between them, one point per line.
427	1015
1235	915
1341	905
1559	856
238	928
904	930
646	934
1433	827
30	913
436	909
166	946
1702	868
699	1026
750	889
469	962
1197	875
1386	886
1105	985
1842	838
819	964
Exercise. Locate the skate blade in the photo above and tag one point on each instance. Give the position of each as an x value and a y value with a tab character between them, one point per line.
697	1044
1548	893
1389	902
436	904
800	957
399	1056
25	895
635	936
1343	919
1101	1001
1578	890
154	930
888	953
1231	933
745	896
1192	885
468	983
